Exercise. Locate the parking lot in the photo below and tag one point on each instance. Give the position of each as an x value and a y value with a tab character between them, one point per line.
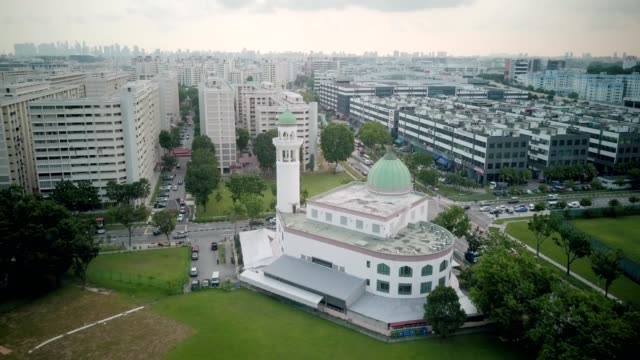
207	261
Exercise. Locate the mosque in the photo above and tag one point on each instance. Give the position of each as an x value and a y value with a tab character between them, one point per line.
362	252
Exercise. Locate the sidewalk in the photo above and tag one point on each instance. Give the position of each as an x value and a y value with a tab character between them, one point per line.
503	227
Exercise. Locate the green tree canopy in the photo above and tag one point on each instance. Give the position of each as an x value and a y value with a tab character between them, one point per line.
455	220
607	265
574	243
242	138
241	185
443	311
165	221
129	216
374	133
253	205
201	180
202	142
336	142
542	227
265	150
76	197
166	140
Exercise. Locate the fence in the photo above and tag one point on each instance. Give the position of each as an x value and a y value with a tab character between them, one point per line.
629	267
117	279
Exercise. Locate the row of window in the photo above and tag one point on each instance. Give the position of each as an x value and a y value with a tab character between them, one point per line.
569	142
406	289
506	155
505	165
407	271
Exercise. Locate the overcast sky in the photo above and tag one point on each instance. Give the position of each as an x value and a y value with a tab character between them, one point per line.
460	27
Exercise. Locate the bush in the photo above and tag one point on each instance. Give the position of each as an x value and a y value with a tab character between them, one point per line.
585	202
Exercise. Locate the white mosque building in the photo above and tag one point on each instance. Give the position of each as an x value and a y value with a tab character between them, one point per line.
363	252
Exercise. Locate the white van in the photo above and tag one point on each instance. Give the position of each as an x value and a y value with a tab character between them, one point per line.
552	204
215	279
492	185
553	196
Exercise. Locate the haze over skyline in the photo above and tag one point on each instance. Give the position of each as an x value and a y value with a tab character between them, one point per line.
460	27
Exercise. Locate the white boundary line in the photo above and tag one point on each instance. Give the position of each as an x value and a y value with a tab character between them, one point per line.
103	321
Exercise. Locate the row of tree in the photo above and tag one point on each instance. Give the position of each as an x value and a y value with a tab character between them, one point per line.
515	176
202	176
580	172
597	67
41	241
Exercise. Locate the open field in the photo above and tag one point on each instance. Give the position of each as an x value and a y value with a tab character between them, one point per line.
314	183
616	233
623	287
248	325
142	335
151	272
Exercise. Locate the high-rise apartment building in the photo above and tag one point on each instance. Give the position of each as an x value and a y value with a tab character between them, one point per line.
217	120
169	103
17	164
105	83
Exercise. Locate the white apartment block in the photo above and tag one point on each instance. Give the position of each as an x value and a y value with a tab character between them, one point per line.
98	139
103	84
601	88
190	75
629	61
169	102
276	72
17	160
145	68
217	120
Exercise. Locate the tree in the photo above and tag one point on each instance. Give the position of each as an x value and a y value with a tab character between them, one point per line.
175	137
539	206
443	311
242	138
614	203
168	162
166	140
79	197
634	199
607	265
249	78
561	204
218	197
336	142
596	184
128	216
253	206
455	220
574	243
311	163
235	213
374	133
542	228
241	185
200	181
573	95
117	193
304	195
584	202
475	240
417	162
85	249
265	150
428	176
619	181
505	286
202	142
543	188
165	221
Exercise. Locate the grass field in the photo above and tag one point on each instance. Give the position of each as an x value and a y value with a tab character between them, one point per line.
247	325
618	233
142	335
143	273
623	287
314	183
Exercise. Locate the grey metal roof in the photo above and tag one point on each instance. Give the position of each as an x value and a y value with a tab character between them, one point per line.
315	277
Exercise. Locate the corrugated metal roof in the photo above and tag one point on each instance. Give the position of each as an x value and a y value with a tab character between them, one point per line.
315	277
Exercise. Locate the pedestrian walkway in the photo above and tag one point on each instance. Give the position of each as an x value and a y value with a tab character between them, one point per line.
503	227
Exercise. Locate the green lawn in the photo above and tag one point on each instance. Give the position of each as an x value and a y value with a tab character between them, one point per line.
623	287
616	233
247	325
150	272
314	183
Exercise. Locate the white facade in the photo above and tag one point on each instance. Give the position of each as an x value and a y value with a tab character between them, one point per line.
287	168
169	102
629	61
217	120
276	72
190	75
141	119
104	84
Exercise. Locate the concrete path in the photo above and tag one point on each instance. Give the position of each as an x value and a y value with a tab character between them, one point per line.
503	227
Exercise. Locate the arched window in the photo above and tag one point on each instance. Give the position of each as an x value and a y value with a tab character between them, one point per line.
384	269
427	270
405	271
443	265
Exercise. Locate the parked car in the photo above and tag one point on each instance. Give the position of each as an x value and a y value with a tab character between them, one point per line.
175	187
193	272
553	196
195	248
195	285
513	200
204	283
269	218
178	166
256	223
180	235
531	207
180	182
183	210
160	205
521	209
574	204
272	221
214	246
180	217
156	232
194	256
485	208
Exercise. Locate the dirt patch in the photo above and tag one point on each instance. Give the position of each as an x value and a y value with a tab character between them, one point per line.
141	335
4	351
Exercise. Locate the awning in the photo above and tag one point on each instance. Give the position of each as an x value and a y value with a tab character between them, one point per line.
257	279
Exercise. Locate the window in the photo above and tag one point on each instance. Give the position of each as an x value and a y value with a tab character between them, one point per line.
368	282
427	270
554	142
442	281
405	271
328	216
314	213
404	289
384	269
382	286
359	224
343	220
368	264
425	287
443	265
375	228
569	142
491	146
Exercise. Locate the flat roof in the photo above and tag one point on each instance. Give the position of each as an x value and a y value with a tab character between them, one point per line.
257	278
421	238
356	197
315	277
389	310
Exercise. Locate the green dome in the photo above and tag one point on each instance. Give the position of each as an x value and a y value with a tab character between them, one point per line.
287	118
389	176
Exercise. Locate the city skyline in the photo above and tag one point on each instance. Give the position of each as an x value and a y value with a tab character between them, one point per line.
459	27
